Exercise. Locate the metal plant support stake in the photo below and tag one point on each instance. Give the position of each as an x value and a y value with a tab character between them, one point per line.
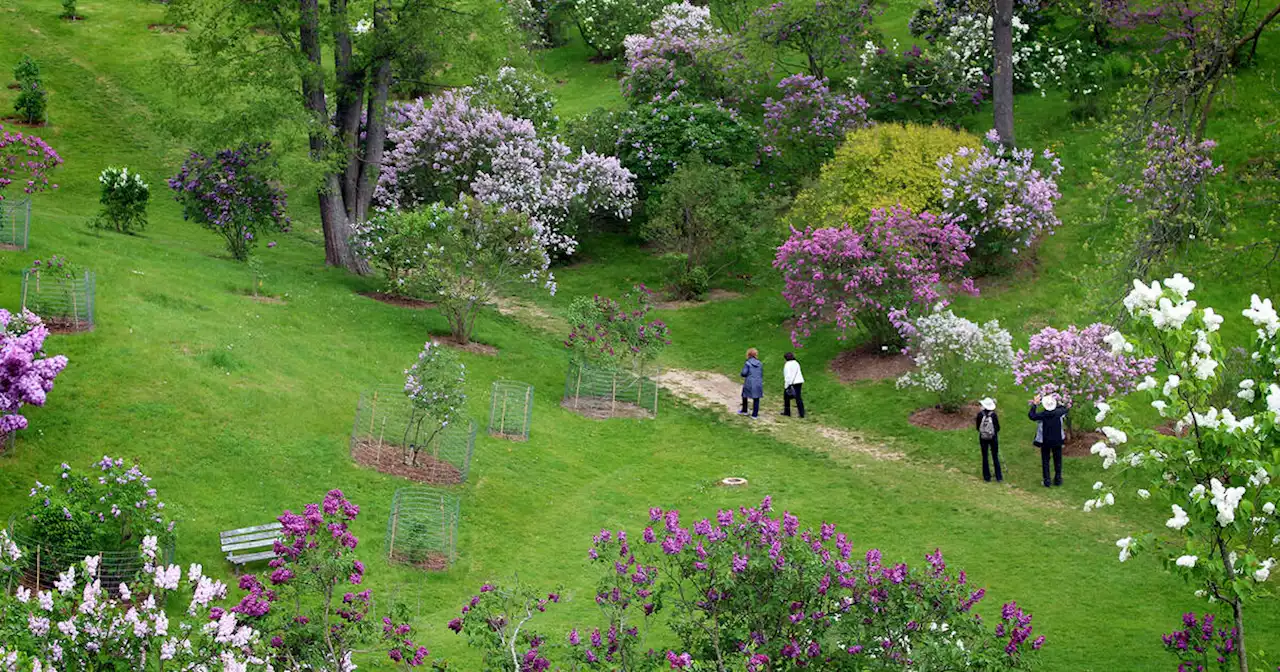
606	392
422	530
442	457
15	224
511	410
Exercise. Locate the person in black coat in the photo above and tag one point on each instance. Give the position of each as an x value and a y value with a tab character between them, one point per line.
1050	435
988	425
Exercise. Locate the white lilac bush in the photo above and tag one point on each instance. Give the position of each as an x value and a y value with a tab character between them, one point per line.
956	359
124	201
1038	64
522	94
436	387
605	24
1217	473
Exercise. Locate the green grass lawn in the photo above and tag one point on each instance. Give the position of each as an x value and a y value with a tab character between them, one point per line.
240	409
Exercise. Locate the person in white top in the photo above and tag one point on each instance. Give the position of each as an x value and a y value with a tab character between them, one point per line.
792	380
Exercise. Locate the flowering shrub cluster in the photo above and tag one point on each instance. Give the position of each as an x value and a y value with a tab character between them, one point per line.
1216	471
536	20
450	146
81	625
436	386
124	200
1080	366
522	94
606	331
804	126
655	140
26	371
873	277
956	359
26	160
911	86
110	510
967	49
684	56
605	24
1001	198
1199	645
752	590
232	193
932	20
814	36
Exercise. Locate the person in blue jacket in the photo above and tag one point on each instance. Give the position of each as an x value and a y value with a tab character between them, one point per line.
752	383
1050	435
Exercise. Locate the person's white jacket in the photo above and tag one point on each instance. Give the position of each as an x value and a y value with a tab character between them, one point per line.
791	373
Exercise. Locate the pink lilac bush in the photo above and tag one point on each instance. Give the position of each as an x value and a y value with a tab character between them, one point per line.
605	330
684	56
1176	168
1001	197
1079	366
26	372
874	278
27	160
447	146
803	127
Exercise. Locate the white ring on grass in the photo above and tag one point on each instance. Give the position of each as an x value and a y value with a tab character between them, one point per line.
733	481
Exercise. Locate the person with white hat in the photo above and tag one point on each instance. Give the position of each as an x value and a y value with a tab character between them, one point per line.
1050	435
988	425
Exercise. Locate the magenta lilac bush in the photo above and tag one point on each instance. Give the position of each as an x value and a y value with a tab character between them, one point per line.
232	194
26	160
1001	197
803	127
26	371
1080	366
874	278
448	146
605	330
1201	645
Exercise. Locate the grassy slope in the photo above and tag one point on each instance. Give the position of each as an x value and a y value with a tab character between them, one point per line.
240	409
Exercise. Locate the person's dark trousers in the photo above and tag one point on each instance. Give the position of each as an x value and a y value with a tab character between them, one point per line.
786	401
992	446
1056	451
755	407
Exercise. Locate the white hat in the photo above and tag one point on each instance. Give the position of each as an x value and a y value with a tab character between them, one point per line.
1049	402
988	403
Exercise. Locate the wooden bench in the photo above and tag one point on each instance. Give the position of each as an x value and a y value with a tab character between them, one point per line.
241	545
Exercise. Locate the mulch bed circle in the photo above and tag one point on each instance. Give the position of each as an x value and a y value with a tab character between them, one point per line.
852	366
388	458
470	346
166	28
66	325
1079	445
10	248
936	418
603	409
399	301
434	562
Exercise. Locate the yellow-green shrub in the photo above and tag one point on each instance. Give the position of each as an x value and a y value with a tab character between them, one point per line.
878	167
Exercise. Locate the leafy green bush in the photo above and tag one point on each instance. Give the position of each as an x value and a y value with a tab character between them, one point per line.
522	94
877	167
27	70
31	103
69	10
654	140
708	218
606	23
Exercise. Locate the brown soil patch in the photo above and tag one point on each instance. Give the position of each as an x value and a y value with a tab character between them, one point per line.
603	409
19	122
470	346
508	437
852	366
1079	445
398	301
13	85
66	325
712	297
166	28
1167	429
936	418
273	300
433	562
10	248
388	458
1026	268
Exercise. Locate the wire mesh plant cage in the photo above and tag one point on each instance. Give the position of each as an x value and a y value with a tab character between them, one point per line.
7	441
15	223
599	391
394	437
43	562
511	410
64	303
422	530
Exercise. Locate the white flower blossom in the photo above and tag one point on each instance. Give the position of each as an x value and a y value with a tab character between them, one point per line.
1212	320
1144	494
1148	383
1180	284
1125	545
1187	561
1103	409
1179	519
1172	384
1226	500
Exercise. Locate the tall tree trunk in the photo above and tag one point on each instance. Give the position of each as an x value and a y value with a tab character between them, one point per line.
375	137
1002	72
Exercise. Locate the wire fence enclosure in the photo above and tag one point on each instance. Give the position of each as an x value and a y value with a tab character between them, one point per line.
7	442
65	304
391	435
43	562
15	223
605	392
423	528
511	410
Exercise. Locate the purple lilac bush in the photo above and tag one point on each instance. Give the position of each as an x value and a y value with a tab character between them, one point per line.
805	124
876	277
616	331
448	146
1176	168
26	160
751	589
1080	366
232	193
1001	197
26	371
685	56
